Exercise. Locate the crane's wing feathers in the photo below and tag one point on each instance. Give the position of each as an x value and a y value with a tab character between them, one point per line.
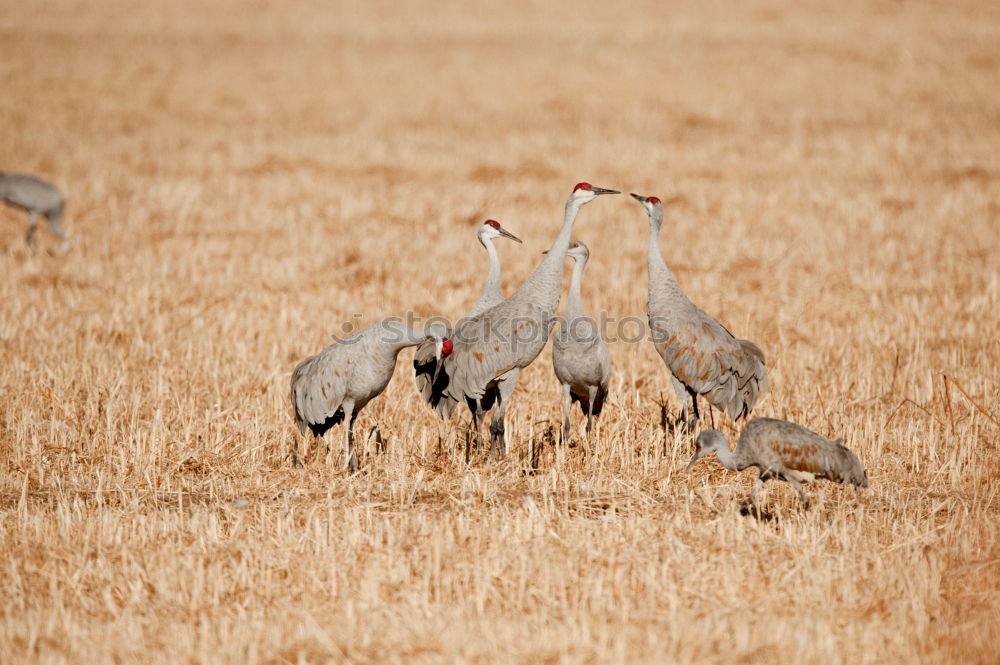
779	443
491	345
705	357
318	388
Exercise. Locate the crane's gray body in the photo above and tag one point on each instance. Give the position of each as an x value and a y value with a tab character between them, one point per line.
426	360
705	359
784	451
336	383
510	335
36	197
580	357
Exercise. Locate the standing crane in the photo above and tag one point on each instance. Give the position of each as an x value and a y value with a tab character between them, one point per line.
704	358
579	355
784	451
36	197
426	358
335	384
510	335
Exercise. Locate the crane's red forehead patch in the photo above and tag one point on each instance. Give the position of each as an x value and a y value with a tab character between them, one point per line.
583	185
492	222
446	346
653	200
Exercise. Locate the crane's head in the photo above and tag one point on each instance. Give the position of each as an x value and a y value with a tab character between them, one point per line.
491	229
707	442
584	192
443	346
578	251
652	205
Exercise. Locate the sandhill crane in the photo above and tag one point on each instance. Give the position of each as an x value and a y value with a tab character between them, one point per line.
36	197
785	451
425	358
511	334
704	358
335	384
579	355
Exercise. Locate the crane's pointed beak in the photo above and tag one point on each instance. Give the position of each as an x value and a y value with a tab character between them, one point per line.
507	234
601	190
637	197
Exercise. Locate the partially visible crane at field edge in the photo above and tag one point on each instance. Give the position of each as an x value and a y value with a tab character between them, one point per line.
335	384
579	355
36	197
784	451
511	334
704	358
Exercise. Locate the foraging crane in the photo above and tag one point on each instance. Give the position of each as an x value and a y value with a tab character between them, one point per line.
579	355
36	197
425	358
783	451
335	384
704	358
510	335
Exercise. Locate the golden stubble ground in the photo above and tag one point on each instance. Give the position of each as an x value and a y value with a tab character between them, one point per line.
244	178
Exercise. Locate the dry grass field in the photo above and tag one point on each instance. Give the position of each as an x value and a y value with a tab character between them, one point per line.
245	178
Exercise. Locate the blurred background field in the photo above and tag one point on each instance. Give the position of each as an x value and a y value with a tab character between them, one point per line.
245	177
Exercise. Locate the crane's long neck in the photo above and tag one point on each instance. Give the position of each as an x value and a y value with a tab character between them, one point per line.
543	286
726	457
662	283
735	460
395	336
492	292
574	303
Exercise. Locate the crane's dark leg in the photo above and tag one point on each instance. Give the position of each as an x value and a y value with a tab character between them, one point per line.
682	395
801	490
692	423
350	415
380	447
498	440
478	419
55	224
749	505
477	415
32	227
296	457
468	446
567	409
592	395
